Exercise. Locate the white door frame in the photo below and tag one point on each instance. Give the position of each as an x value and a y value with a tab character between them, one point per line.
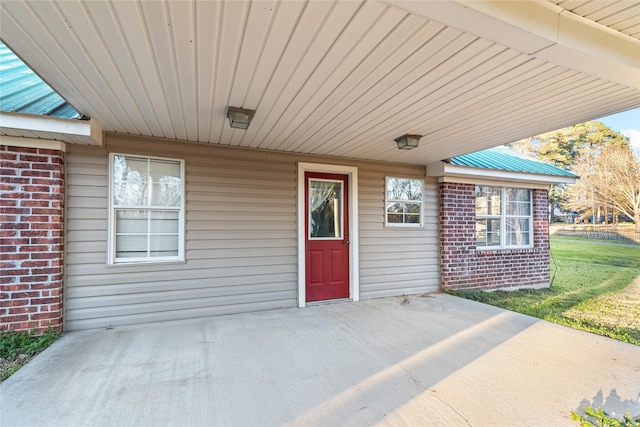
354	270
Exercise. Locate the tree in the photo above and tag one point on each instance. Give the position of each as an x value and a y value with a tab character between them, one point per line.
574	148
563	146
609	180
617	173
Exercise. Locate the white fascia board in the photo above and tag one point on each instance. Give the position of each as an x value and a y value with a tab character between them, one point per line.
493	183
447	172
18	141
542	30
88	129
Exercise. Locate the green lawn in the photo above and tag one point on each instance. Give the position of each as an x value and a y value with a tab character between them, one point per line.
17	348
596	288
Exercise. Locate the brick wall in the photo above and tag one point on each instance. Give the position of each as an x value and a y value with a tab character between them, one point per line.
465	267
31	238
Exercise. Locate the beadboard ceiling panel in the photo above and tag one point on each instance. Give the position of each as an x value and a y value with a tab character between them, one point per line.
341	78
623	15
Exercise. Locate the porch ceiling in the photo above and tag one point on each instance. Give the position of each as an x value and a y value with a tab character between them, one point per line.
623	16
335	78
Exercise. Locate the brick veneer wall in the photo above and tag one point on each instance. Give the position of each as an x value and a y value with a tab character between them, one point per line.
31	238
465	267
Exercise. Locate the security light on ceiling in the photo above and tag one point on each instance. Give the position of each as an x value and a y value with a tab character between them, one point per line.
408	142
239	118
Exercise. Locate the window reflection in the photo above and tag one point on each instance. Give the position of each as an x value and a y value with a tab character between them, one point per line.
325	206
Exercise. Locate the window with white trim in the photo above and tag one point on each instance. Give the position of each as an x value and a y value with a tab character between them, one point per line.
504	218
146	209
403	201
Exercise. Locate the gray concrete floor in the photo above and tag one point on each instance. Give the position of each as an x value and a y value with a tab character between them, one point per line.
424	360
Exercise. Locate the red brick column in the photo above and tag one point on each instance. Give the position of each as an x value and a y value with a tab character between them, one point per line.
31	238
465	267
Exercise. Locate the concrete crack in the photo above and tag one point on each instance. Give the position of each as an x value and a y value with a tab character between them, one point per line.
433	393
417	383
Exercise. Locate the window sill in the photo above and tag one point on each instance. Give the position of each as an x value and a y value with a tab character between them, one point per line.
140	263
503	251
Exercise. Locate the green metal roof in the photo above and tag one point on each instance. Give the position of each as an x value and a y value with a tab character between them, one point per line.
503	158
22	91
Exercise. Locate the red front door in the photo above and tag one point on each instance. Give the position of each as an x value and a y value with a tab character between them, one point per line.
327	236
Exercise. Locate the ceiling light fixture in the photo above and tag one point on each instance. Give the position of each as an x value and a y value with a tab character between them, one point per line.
239	118
408	142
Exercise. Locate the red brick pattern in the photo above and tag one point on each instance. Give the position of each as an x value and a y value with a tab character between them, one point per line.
465	267
31	238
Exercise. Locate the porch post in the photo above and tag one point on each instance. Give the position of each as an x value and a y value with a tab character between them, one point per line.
32	212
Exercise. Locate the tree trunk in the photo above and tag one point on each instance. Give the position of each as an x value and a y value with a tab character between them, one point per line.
636	220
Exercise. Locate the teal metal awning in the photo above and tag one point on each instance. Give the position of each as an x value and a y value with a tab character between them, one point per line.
503	158
23	91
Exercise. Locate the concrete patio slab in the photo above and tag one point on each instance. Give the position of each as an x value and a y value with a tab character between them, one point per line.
421	360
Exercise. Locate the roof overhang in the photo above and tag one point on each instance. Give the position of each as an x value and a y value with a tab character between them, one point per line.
85	132
446	172
543	30
339	79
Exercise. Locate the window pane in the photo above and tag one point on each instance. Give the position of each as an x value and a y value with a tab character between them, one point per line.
412	218
160	168
131	221
130	181
403	213
395	213
143	182
518	233
488	232
415	190
518	195
164	222
325	207
404	189
396	189
413	208
163	245
487	200
167	186
133	239
131	246
518	201
481	232
518	208
481	201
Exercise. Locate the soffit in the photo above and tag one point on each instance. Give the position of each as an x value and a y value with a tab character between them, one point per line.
328	78
622	16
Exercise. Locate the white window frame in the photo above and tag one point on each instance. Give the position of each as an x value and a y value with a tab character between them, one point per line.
112	259
387	201
503	221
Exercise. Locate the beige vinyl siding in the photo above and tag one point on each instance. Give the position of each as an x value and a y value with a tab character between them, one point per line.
396	260
240	237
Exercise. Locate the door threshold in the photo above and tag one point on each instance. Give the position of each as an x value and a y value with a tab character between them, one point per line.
327	301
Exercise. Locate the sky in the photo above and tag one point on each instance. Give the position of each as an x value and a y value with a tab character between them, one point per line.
628	124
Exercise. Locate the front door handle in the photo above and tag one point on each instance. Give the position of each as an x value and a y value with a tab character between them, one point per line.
346	242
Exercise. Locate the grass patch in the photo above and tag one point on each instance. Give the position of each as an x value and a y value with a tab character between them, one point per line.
598	417
596	288
17	348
